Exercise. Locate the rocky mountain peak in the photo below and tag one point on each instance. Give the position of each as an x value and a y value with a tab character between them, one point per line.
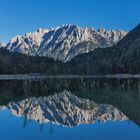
63	42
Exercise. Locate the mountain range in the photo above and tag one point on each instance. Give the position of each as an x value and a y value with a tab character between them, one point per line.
64	42
73	50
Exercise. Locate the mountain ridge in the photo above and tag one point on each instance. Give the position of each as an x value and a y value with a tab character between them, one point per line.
64	42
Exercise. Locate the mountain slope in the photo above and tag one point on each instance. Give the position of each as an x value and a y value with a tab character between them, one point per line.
124	57
64	42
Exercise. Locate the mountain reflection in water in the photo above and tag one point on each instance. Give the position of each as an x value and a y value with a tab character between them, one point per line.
65	109
72	102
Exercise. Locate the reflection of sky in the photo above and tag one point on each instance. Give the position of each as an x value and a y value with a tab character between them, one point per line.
14	128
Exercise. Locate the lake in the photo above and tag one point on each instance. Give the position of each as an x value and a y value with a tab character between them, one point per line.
83	108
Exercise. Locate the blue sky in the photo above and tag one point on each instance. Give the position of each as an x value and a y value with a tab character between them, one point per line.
21	16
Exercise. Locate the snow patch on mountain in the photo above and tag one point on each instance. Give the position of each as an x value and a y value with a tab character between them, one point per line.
2	44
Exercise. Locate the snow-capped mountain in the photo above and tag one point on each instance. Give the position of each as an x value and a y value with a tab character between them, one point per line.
65	109
2	44
64	42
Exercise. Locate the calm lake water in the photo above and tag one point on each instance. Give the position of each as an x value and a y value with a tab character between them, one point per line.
70	109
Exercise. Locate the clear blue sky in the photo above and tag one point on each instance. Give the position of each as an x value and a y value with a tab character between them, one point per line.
21	16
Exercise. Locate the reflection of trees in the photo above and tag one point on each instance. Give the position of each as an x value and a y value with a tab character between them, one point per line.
17	90
41	127
25	121
51	129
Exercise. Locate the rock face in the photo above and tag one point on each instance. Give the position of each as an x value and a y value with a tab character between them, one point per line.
65	109
64	42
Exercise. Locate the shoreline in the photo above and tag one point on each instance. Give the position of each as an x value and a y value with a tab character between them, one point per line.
41	76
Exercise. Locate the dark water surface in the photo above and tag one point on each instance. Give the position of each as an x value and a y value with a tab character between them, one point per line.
70	109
